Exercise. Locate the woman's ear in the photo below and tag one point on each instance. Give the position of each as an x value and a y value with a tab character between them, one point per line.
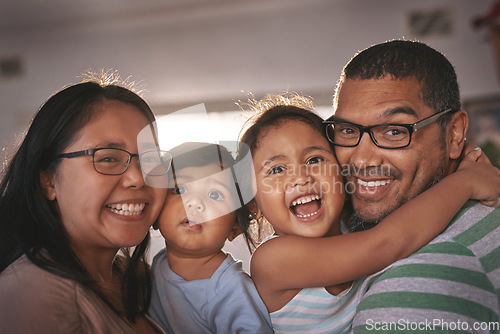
47	182
457	128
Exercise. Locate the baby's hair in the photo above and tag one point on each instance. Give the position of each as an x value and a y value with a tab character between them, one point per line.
196	154
199	154
271	112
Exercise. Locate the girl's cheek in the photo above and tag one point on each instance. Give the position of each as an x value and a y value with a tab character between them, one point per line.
266	186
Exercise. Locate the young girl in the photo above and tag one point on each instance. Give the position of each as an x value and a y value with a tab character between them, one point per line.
197	288
305	282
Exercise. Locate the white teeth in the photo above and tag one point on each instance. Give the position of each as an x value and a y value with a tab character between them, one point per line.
308	215
306	199
373	183
126	209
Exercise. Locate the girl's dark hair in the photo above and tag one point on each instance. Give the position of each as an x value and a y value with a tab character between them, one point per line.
31	225
270	112
196	154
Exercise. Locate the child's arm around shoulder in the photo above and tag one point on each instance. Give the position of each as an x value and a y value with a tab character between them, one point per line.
428	214
292	262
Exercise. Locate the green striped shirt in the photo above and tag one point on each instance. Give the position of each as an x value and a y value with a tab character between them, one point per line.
451	285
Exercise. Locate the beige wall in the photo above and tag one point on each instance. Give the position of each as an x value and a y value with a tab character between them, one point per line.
212	53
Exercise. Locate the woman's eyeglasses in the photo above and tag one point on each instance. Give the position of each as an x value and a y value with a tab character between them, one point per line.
115	161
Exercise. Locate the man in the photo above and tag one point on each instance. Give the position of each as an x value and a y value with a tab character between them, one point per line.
453	283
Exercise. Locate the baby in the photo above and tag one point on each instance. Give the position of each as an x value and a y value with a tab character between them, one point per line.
197	288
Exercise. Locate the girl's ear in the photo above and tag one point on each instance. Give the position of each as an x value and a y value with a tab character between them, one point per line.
254	209
47	183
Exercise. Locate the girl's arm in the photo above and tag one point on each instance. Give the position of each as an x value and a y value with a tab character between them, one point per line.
292	262
468	148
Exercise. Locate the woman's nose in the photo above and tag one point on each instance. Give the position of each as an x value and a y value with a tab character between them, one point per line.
132	177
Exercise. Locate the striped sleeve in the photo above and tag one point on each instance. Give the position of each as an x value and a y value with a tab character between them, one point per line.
450	286
316	311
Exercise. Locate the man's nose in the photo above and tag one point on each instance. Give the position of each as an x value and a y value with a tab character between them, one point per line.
366	153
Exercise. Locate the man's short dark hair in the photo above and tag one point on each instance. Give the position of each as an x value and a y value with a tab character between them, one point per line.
401	59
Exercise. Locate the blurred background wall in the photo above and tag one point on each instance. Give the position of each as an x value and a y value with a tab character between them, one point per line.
186	52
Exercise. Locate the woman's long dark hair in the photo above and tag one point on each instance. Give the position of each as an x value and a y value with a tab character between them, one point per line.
30	224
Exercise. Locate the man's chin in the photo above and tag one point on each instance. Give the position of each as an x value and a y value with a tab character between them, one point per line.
363	220
366	214
356	224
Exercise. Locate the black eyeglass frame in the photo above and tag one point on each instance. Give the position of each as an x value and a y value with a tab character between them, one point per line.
411	128
92	152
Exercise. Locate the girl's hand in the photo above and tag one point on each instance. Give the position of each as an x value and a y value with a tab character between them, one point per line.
484	178
470	147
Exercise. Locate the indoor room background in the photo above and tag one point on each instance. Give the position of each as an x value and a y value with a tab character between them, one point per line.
182	53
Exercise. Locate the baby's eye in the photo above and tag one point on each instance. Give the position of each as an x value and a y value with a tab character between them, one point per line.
314	160
276	170
215	195
180	190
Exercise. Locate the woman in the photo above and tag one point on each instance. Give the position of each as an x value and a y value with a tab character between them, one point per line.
72	196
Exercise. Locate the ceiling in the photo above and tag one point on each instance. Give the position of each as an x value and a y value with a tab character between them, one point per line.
35	15
27	14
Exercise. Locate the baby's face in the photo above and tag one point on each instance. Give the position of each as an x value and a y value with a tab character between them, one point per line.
199	211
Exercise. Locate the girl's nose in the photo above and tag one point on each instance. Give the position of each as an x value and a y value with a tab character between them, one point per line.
301	176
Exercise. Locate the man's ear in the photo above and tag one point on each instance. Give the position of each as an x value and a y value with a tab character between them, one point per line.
457	128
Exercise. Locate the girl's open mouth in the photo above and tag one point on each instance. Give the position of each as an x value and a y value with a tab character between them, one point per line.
306	206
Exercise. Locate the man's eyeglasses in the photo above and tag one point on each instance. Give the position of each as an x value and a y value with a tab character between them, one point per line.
115	161
390	136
